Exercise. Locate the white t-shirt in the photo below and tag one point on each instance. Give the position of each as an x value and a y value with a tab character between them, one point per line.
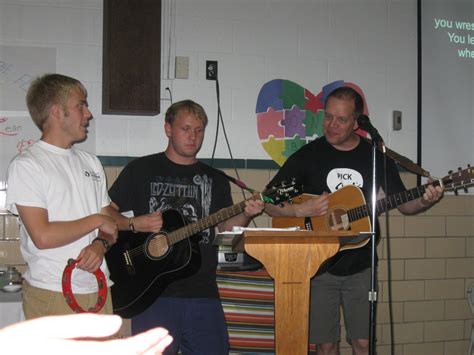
70	184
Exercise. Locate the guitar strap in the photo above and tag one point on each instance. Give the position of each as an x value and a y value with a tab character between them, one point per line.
401	160
239	183
398	158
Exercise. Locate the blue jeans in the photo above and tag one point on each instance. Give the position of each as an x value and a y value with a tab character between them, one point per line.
196	324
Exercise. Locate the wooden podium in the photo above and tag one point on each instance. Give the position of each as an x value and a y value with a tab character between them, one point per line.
291	258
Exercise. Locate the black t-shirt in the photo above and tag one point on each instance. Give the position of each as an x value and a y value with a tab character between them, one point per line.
319	167
155	183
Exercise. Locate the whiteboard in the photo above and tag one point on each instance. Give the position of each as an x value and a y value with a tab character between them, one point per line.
17	132
18	67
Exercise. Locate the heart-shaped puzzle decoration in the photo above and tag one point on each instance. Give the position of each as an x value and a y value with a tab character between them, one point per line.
290	116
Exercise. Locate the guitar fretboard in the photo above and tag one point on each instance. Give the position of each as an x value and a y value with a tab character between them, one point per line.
211	220
390	202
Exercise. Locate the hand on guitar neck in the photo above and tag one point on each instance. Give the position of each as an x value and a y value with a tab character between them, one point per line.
431	195
252	209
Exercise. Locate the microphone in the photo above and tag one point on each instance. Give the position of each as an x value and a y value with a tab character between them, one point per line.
364	122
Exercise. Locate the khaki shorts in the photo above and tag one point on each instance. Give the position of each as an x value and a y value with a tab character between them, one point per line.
329	293
39	302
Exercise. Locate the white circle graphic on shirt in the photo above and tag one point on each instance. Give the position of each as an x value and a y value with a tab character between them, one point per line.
340	177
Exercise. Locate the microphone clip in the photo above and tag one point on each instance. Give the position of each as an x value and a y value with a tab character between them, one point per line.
364	123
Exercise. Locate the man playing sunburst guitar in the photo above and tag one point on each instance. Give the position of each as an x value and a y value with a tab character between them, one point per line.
174	180
341	158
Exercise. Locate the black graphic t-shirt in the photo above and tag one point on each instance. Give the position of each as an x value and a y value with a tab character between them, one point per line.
319	167
155	183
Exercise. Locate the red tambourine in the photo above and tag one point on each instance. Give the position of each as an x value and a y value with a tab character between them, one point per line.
69	296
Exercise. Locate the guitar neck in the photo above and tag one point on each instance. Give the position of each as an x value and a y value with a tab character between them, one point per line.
390	202
209	221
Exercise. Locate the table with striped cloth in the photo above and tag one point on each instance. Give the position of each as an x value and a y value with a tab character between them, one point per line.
248	301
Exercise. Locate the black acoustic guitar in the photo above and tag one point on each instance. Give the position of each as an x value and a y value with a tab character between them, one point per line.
142	265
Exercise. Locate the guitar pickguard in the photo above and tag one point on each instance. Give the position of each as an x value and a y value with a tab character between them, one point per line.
337	220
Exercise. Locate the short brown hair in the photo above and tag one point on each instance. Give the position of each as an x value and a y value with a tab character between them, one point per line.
188	106
346	92
48	90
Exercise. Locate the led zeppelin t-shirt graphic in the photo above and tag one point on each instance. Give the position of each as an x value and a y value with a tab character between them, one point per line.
191	196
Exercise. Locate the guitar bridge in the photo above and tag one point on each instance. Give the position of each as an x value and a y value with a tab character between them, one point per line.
128	263
346	224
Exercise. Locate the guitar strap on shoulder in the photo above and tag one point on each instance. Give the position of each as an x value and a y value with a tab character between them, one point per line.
403	161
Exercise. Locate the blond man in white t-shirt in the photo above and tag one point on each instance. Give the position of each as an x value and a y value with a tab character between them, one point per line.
59	193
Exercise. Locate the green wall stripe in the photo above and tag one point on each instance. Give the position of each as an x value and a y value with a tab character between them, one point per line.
218	163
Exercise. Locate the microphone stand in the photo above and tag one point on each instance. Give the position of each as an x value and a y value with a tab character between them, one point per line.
373	275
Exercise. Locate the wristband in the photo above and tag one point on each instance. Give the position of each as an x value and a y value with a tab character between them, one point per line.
69	296
131	225
104	242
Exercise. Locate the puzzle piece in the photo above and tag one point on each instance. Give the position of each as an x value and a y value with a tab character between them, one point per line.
328	88
313	102
314	124
274	148
270	96
292	94
293	122
269	124
292	145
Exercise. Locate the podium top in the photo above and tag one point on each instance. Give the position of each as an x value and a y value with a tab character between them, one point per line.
291	237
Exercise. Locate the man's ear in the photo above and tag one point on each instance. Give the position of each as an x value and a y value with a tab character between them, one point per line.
356	124
55	111
168	129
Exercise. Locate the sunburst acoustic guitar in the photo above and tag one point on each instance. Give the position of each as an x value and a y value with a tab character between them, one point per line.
348	210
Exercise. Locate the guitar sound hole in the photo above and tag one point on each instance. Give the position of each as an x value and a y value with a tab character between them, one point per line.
157	246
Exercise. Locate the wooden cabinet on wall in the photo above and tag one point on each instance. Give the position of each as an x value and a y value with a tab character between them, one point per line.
131	57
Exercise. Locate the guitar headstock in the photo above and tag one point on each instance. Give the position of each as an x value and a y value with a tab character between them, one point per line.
282	192
460	179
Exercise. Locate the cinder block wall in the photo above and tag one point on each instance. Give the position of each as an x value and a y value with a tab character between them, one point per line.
432	264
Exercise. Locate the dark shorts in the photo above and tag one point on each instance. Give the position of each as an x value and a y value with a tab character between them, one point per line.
328	294
196	324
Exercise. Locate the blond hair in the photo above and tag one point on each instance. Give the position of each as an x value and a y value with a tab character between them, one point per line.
187	106
48	90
